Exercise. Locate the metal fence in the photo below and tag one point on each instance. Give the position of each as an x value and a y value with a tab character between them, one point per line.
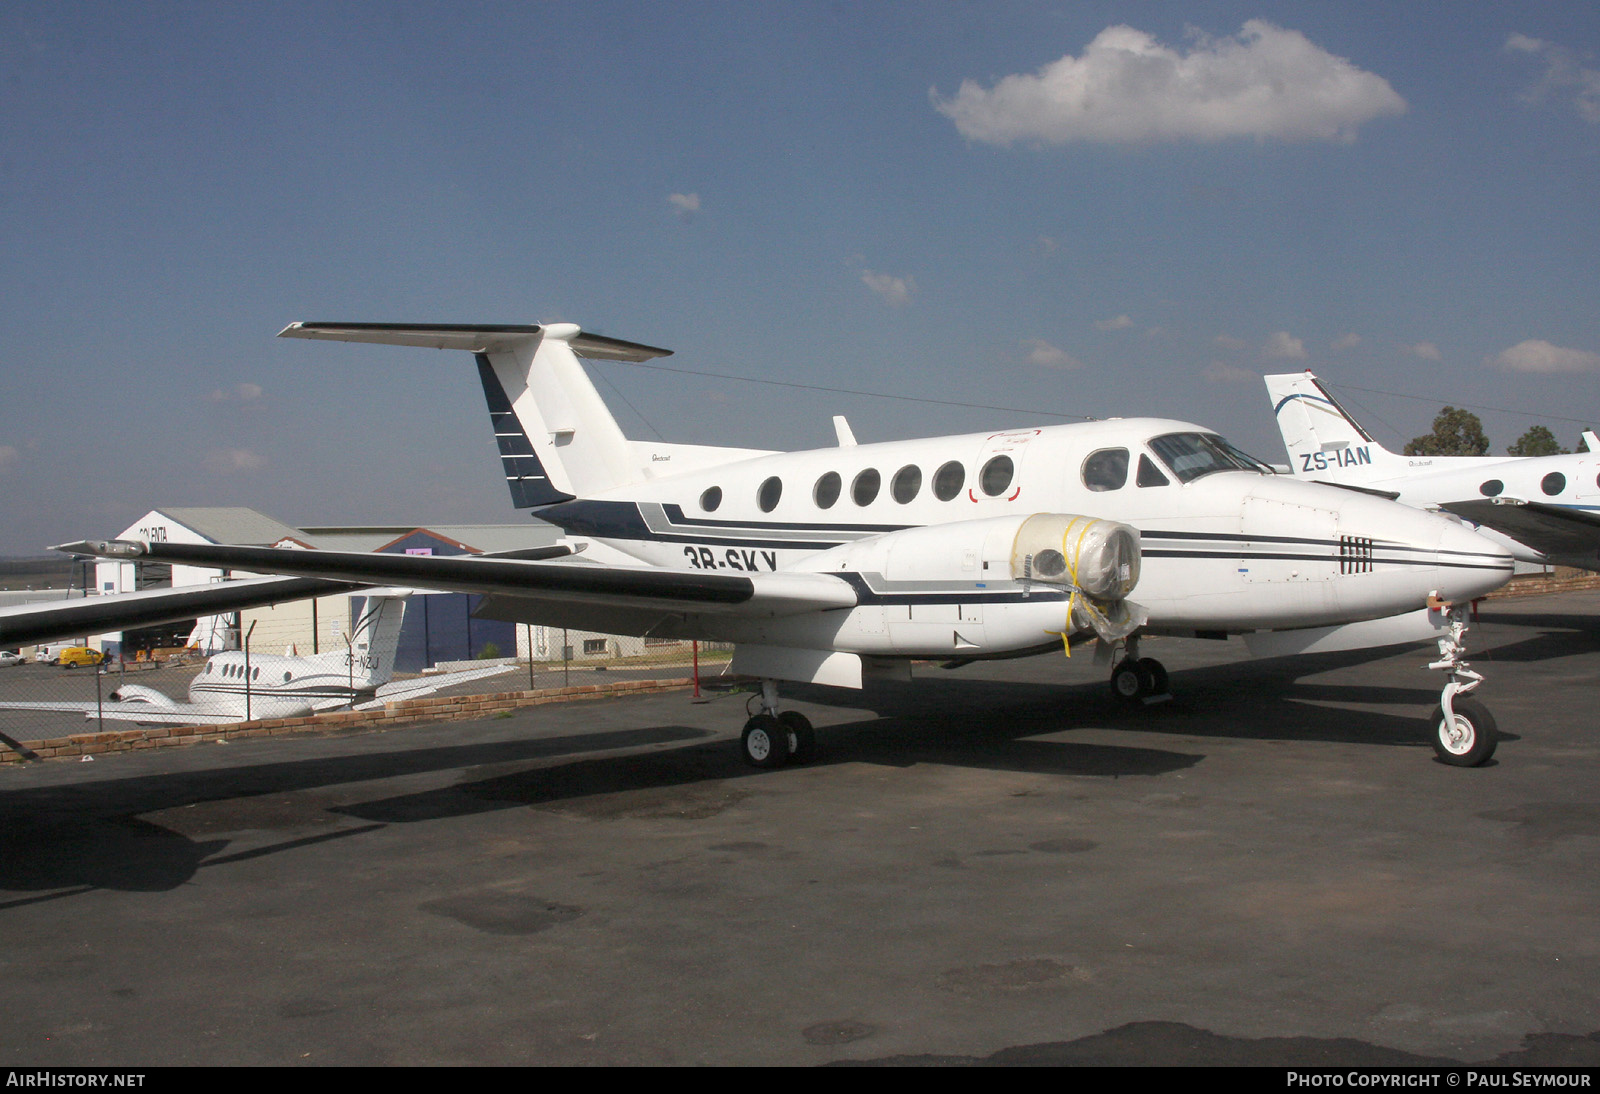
44	699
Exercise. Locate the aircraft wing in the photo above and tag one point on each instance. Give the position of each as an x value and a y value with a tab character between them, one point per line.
647	590
396	690
30	623
1558	531
182	714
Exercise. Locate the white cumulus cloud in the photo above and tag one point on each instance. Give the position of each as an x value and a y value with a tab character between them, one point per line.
1563	74
230	460
244	392
894	291
1536	355
1043	353
1427	351
1121	322
1220	372
1282	346
1128	88
684	204
1348	341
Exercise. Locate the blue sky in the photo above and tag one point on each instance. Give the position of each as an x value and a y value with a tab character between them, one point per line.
1016	205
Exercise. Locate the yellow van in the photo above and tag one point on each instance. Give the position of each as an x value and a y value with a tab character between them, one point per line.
73	656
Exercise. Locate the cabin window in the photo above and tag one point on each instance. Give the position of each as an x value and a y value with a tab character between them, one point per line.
711	499
907	481
1106	469
208	668
1150	474
1553	483
255	674
1491	488
948	480
826	492
865	489
996	475
767	497
287	677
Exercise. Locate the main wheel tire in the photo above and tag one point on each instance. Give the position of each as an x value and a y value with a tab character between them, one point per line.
1130	681
1158	675
1471	741
764	744
802	738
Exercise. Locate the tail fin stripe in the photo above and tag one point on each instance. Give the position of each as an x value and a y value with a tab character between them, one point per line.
525	474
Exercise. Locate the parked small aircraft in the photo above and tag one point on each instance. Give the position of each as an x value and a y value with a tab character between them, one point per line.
1541	508
831	565
235	686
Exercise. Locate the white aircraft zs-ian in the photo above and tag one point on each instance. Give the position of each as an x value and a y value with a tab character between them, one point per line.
831	565
233	687
1541	508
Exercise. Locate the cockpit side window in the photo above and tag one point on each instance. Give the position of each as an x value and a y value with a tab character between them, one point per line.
1192	455
1150	474
1106	469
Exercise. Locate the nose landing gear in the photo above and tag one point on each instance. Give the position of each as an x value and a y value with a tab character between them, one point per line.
772	739
1462	730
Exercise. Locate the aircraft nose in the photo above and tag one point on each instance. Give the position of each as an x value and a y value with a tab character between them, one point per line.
1469	566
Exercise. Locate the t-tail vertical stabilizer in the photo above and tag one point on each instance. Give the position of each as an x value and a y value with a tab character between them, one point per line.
1325	443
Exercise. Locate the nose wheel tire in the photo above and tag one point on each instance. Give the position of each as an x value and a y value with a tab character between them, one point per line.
764	743
802	738
1471	740
1131	681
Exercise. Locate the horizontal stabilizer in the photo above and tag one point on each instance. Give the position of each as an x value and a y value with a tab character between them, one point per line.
471	337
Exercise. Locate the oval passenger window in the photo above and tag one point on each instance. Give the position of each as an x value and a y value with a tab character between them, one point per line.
767	497
826	492
907	481
865	488
996	475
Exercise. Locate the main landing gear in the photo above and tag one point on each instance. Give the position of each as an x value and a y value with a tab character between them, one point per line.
1138	680
773	739
1462	730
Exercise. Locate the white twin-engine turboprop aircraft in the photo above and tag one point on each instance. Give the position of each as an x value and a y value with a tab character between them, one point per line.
1541	508
236	686
828	565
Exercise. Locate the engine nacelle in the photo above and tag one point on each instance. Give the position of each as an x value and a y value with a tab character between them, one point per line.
1098	557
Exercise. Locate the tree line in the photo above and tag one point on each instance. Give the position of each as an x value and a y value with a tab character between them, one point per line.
1458	432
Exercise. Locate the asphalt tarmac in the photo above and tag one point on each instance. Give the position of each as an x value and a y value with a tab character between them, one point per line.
993	865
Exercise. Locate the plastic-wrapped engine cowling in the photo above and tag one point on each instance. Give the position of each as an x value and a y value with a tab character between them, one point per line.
1096	558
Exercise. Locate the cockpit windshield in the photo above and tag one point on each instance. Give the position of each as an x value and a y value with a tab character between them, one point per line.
1191	455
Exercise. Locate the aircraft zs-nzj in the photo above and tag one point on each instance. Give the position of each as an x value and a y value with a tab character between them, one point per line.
1541	508
830	565
234	686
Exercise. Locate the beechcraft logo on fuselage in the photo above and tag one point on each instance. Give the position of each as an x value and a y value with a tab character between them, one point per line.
1340	457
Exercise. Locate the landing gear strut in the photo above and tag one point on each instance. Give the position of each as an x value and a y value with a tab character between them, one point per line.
773	739
1138	679
1462	730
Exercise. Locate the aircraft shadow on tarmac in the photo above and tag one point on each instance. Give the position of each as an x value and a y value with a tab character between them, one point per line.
60	841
